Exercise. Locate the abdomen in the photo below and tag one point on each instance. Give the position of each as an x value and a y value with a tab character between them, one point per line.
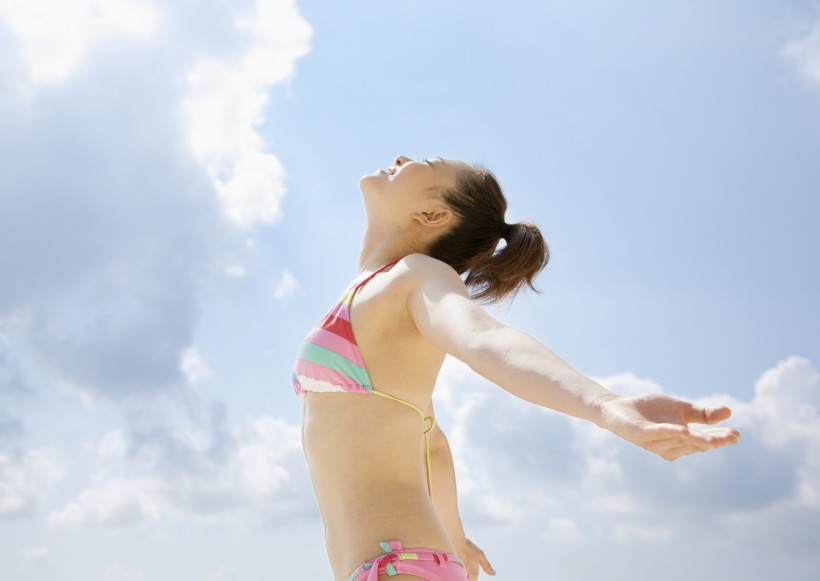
365	456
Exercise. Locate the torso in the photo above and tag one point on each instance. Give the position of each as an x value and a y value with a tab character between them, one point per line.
365	452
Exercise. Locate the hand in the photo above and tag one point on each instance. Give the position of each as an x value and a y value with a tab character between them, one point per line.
659	423
472	557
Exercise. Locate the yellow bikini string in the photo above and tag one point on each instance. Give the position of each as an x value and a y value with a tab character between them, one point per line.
426	431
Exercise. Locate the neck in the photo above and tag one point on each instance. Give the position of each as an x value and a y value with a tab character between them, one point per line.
380	247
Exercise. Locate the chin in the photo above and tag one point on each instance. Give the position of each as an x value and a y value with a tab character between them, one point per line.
370	182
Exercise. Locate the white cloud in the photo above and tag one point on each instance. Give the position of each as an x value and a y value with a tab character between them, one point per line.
55	36
765	491
26	484
629	384
110	249
286	287
790	390
805	52
116	502
225	107
155	472
194	366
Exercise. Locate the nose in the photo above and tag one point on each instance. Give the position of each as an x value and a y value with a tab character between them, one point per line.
401	160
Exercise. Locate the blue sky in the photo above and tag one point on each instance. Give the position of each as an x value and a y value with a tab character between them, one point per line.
179	202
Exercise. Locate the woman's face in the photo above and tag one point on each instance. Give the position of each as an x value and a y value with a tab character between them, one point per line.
409	186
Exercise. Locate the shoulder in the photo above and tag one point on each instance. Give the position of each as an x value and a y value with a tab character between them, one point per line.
422	279
417	271
439	304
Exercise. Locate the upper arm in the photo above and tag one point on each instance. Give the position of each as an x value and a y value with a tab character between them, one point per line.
440	306
441	309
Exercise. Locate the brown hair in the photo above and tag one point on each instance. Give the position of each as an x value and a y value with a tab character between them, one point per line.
470	244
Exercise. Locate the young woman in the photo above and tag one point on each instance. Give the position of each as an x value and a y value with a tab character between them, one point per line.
381	468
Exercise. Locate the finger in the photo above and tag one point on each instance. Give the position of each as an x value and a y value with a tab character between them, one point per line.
703	440
673	454
674	449
723	436
662	447
717	437
693	447
710	437
695	441
485	564
707	415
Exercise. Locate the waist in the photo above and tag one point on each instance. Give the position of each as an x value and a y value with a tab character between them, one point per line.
366	461
357	439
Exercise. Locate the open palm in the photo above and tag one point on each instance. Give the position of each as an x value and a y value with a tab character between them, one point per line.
659	423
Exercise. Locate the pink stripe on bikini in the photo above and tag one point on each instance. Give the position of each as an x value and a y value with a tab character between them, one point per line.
337	344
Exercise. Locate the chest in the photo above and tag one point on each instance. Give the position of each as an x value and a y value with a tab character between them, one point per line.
393	350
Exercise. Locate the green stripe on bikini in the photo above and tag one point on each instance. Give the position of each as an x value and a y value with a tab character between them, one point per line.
332	360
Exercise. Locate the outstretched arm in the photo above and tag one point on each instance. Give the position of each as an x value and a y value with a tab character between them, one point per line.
443	312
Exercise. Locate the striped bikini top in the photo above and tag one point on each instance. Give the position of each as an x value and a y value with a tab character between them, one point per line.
329	360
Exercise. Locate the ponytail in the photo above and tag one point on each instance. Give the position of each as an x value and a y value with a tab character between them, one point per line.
470	244
505	272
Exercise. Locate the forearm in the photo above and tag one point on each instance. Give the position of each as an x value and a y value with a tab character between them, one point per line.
444	487
526	368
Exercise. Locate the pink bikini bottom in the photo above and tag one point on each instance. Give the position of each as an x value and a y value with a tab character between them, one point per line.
430	564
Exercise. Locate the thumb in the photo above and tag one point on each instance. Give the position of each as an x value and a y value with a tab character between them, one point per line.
708	415
485	564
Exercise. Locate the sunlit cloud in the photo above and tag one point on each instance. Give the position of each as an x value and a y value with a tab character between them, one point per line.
56	36
200	472
26	482
111	248
225	108
194	366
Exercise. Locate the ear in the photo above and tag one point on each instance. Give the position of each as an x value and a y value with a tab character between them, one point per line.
434	218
